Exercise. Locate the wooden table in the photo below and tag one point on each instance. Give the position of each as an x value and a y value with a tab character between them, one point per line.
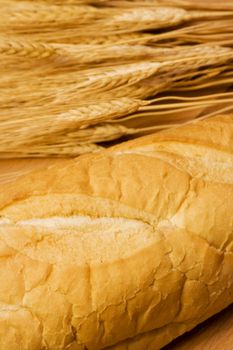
214	334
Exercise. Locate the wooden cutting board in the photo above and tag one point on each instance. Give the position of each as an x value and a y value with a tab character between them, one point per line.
214	334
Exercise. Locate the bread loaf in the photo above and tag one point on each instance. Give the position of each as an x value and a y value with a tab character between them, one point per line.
124	249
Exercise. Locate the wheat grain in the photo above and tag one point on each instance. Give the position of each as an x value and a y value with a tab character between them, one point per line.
23	13
80	54
25	48
76	73
25	129
139	18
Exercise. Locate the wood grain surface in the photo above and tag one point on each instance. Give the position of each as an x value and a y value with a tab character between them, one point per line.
214	334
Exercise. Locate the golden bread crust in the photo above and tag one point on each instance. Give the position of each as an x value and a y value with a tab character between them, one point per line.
124	249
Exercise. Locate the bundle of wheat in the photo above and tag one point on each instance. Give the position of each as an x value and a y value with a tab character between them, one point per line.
78	74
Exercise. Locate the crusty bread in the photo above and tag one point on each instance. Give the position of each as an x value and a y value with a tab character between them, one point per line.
123	249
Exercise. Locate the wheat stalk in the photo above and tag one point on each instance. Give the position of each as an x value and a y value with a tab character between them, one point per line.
76	73
165	107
